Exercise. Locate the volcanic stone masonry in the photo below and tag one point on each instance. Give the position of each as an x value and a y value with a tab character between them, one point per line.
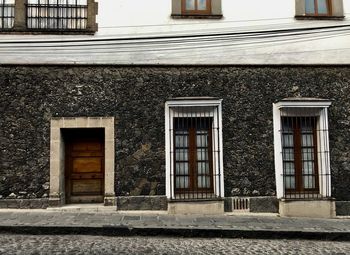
31	95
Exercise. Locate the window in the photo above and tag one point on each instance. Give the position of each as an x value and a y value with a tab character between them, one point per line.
196	6
57	14
317	7
48	16
209	9
193	154
7	14
194	149
301	148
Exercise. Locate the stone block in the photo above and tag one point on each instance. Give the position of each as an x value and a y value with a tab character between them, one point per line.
342	208
307	208
263	204
69	122
94	122
197	207
142	203
228	204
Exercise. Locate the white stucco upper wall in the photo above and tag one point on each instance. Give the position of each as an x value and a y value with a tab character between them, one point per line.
234	43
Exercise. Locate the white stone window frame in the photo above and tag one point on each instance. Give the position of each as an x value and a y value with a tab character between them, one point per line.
316	108
57	157
218	146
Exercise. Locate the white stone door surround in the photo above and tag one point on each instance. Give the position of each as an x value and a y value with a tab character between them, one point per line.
57	151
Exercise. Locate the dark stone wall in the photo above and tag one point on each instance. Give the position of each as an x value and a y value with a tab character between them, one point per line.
135	96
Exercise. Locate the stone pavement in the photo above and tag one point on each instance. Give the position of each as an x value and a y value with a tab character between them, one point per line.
159	223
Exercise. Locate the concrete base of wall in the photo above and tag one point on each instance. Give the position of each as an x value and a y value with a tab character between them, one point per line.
309	208
197	207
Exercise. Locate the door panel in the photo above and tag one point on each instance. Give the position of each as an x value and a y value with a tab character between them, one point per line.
87	164
84	170
82	186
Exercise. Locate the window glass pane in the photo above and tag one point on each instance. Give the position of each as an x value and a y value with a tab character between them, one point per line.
202	5
182	168
288	140
181	154
288	154
307	154
322	7
182	182
309	182
289	182
190	5
310	6
202	154
308	167
181	141
203	167
203	181
202	140
289	168
307	140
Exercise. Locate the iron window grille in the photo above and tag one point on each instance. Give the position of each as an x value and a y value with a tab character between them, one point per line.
7	14
302	152
194	154
57	14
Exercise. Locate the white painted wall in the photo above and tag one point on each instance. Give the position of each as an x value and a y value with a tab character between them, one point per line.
140	18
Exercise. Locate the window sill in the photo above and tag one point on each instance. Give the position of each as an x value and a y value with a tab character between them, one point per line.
196	16
46	32
309	17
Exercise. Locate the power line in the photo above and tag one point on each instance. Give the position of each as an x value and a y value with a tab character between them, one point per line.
179	40
177	36
184	48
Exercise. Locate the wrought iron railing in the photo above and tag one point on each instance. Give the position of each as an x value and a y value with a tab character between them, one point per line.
7	14
57	14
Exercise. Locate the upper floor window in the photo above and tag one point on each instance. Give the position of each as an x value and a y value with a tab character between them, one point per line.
317	7
196	6
57	14
7	14
49	16
209	9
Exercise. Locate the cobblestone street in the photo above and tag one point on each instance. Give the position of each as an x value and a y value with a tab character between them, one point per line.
78	244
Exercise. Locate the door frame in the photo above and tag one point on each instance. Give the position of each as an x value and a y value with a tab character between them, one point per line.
57	156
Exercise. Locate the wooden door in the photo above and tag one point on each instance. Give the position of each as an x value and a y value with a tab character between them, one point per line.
85	171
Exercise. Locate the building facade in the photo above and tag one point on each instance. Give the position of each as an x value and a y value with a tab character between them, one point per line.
196	106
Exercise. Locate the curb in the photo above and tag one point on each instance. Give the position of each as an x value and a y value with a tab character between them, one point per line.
174	232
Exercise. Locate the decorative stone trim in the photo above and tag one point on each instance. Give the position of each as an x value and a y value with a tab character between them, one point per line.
57	180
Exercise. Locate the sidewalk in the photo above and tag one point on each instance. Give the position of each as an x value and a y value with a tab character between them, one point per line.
102	221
